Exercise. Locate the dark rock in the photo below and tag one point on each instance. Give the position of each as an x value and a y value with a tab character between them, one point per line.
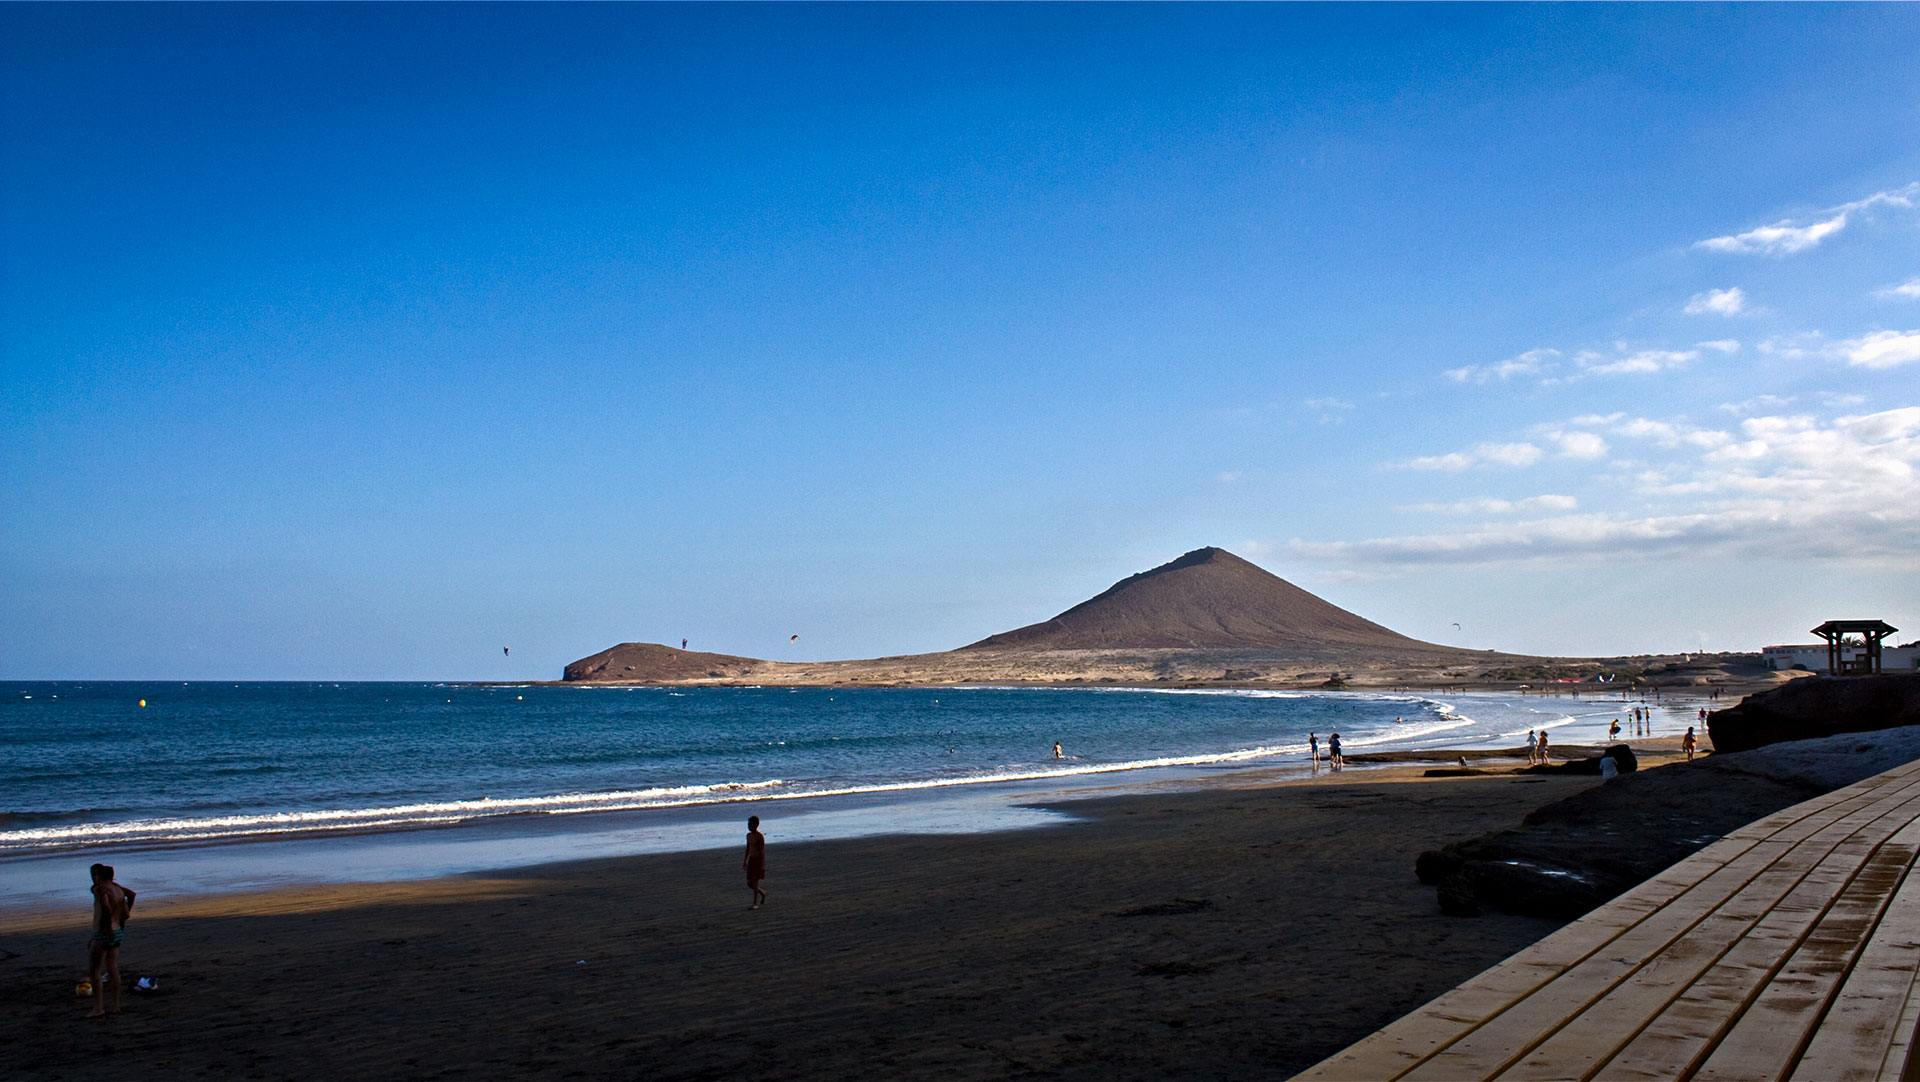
1435	865
1815	707
1456	897
1534	888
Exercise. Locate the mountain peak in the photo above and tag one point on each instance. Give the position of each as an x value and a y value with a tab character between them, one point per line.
1206	599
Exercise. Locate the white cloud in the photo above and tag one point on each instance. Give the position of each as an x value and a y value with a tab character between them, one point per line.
1908	290
1584	445
1619	360
1782	486
1548	502
1790	235
1880	349
1883	349
1533	362
1485	454
1718	302
1626	361
1228	477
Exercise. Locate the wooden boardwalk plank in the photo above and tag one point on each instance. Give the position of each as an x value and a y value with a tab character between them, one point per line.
1694	931
1697	1021
1878	997
1630	960
1770	1035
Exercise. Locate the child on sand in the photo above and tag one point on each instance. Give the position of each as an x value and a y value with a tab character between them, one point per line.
112	905
1687	743
755	861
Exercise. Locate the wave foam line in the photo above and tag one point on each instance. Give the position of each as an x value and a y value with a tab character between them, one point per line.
342	820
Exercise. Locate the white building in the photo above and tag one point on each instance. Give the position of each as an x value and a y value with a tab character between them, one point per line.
1813	657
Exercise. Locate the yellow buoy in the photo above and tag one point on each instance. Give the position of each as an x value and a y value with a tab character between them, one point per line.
143	702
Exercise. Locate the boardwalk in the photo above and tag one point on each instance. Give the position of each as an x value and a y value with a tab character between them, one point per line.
1786	950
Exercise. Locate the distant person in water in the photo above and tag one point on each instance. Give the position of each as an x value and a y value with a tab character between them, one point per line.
1333	751
755	861
1058	751
1688	742
112	905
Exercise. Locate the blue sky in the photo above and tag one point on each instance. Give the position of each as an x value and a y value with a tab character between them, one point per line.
362	341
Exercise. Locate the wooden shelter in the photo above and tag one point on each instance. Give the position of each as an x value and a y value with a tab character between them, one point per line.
1870	632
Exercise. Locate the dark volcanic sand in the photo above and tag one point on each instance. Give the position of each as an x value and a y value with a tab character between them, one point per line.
1230	933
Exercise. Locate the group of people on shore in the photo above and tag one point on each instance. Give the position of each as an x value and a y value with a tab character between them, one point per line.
1335	760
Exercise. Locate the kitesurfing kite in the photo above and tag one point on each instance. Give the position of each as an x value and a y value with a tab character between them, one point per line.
507	650
793	638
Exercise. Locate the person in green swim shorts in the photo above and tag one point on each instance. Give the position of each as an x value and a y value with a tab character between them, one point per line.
112	905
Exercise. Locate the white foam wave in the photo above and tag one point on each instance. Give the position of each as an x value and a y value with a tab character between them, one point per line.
346	820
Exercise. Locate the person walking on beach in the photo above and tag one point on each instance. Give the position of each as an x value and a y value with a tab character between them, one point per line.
1313	749
1543	747
1688	742
112	905
1333	752
1533	748
755	861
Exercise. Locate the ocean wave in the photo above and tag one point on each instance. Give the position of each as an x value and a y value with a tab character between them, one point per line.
185	830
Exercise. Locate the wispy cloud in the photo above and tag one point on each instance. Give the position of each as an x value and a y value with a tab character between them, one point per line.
1718	302
1533	362
1879	349
1485	454
1790	235
1332	411
1908	290
1551	366
1783	485
1228	477
1528	504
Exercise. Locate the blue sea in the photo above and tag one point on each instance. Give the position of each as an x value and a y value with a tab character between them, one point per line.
98	767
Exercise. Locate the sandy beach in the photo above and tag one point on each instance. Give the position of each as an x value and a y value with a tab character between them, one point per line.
1247	929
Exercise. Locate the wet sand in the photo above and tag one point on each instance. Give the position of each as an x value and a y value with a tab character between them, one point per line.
1244	930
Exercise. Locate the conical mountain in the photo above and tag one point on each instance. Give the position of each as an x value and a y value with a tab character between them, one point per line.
1208	599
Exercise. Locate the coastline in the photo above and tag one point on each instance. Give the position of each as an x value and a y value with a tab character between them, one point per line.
1255	923
417	850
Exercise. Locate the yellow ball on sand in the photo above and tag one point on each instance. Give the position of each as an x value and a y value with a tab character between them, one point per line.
83	989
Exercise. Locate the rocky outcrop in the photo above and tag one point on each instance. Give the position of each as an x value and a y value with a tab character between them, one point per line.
1817	707
1574	854
650	662
1622	756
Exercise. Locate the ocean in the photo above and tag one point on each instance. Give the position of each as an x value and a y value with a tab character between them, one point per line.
89	769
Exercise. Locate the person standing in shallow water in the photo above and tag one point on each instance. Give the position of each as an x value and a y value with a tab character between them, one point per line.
755	861
1334	758
112	905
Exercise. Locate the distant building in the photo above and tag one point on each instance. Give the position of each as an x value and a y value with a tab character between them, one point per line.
1813	657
